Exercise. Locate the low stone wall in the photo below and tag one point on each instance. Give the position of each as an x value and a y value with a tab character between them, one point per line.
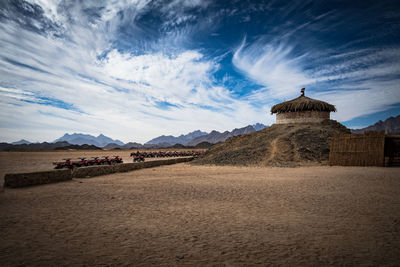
15	180
92	171
302	117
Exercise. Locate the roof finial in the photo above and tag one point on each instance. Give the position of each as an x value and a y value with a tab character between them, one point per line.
302	91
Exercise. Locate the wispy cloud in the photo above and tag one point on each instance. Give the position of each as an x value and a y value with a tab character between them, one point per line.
79	82
363	98
369	76
272	66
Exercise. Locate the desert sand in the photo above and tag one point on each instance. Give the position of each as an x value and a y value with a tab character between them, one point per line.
207	215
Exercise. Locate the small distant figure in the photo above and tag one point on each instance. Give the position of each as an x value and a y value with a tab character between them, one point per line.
302	91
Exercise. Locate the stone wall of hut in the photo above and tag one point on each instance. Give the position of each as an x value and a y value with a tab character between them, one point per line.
302	117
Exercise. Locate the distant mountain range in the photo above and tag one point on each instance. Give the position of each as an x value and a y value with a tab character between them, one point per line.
390	126
172	140
21	142
31	146
46	146
197	137
81	139
216	137
193	139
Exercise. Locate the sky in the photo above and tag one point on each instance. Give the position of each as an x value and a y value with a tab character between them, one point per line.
137	69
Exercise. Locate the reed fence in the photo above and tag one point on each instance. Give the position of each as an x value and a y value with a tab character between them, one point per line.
366	149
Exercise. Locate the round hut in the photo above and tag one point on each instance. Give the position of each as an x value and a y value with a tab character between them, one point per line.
302	109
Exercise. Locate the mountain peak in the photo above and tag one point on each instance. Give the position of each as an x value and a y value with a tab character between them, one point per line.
182	139
216	137
390	126
21	142
79	139
259	126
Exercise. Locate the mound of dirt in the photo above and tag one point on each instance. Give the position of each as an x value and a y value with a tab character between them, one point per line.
278	145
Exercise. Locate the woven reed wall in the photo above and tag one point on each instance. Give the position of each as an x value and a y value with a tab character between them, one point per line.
358	149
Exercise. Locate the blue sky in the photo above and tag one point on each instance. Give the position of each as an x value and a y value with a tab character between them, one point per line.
137	69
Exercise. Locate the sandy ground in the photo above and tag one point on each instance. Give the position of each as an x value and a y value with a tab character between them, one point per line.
202	215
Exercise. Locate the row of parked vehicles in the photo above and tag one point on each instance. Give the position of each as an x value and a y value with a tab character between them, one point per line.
137	157
140	156
82	162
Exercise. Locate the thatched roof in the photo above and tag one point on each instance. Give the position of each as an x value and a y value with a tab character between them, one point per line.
302	103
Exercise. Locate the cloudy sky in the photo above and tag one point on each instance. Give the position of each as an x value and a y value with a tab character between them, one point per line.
137	69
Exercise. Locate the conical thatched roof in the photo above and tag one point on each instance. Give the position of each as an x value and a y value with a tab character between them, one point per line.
302	103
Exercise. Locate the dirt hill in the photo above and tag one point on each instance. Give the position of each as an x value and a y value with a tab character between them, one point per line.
278	145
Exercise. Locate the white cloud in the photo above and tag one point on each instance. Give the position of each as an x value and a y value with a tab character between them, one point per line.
54	9
49	7
271	66
366	82
375	96
358	83
119	94
178	7
152	72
